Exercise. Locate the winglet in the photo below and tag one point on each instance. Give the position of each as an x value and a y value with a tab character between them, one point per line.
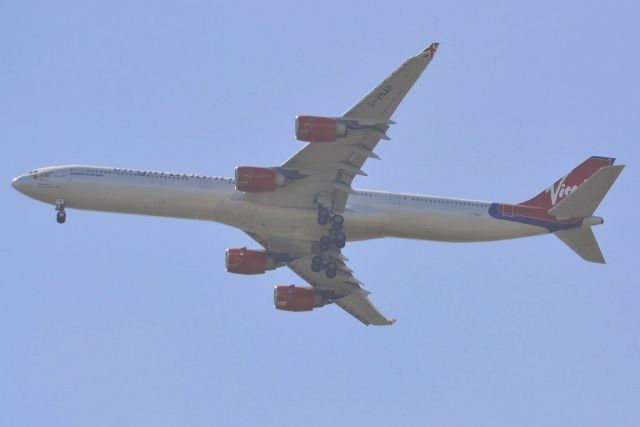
430	51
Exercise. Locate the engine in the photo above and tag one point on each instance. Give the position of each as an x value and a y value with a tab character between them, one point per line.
258	180
296	298
319	129
247	261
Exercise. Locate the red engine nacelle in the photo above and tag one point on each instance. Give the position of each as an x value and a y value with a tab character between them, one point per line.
295	298
319	129
258	180
247	261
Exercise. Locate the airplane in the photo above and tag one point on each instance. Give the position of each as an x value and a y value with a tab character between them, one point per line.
304	211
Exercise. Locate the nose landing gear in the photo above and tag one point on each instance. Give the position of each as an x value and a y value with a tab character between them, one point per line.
61	215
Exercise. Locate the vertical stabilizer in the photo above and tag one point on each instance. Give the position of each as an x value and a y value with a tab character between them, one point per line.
568	183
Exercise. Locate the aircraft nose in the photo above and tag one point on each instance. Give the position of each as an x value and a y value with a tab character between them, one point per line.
20	183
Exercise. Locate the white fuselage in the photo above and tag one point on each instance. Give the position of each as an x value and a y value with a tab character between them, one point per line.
368	214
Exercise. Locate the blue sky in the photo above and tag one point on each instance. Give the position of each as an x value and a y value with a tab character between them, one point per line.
126	320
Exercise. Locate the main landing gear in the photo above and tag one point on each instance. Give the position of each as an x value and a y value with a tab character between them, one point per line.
330	268
61	215
325	217
335	238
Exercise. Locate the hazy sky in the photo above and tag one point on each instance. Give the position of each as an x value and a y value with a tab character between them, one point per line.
120	320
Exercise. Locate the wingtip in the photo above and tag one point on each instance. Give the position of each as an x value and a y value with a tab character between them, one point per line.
430	51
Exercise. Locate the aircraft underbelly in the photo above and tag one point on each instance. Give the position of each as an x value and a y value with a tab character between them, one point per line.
157	200
360	223
460	226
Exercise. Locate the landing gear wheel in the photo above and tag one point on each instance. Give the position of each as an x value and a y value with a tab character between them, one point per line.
325	243
317	263
331	270
340	240
61	216
323	216
324	212
337	222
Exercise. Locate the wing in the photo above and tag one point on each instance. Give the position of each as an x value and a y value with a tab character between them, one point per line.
324	172
320	175
344	289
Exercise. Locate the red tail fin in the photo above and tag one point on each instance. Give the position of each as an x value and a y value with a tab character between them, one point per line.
569	183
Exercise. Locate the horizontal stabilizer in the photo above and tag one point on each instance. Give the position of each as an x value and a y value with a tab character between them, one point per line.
584	200
583	242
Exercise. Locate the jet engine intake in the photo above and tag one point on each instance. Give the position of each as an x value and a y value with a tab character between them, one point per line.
252	179
319	129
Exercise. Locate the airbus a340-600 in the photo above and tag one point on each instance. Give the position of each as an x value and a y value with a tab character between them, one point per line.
304	211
